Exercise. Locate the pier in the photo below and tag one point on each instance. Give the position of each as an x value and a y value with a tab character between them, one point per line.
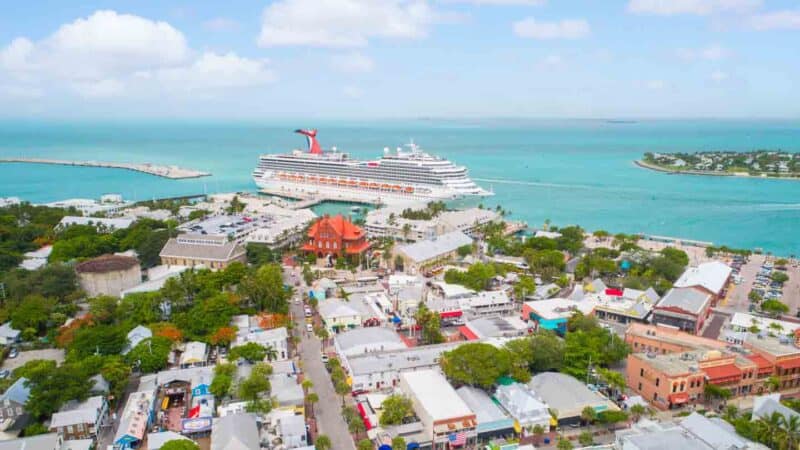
309	199
171	172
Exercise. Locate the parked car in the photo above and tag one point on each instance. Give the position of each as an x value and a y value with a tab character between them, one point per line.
309	328
13	353
5	373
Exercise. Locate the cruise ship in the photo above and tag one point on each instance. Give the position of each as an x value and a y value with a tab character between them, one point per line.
408	174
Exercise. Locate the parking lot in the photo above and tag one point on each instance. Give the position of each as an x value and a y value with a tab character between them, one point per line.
756	275
53	354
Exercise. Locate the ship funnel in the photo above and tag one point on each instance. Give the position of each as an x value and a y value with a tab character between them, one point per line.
313	144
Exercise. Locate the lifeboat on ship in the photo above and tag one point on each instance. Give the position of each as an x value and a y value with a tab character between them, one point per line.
301	178
408	190
374	186
363	184
352	183
396	188
385	186
313	179
342	182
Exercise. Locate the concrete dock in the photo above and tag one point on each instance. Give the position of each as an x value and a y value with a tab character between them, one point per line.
171	172
309	199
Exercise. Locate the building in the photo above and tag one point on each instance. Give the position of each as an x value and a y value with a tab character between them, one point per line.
235	432
12	404
135	419
8	335
212	252
446	419
552	314
373	371
47	441
157	440
108	275
36	259
340	315
275	338
776	355
194	354
523	406
431	252
156	278
487	304
764	406
80	420
493	422
335	236
710	277
367	340
694	432
742	325
684	308
567	396
625	306
135	336
388	222
108	204
293	432
271	225
494	327
103	224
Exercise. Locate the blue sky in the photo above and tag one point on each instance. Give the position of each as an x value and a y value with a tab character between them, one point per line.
401	58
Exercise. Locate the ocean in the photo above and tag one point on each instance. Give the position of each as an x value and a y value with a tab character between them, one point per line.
567	171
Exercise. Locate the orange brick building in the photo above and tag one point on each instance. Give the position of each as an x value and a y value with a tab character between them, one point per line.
671	368
335	236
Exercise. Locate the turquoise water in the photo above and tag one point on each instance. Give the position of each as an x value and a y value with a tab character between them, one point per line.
566	171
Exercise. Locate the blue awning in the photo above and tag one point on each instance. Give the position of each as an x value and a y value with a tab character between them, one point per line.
385	447
396	319
412	446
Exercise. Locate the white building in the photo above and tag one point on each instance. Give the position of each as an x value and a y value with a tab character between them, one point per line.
249	330
339	315
711	277
431	252
694	432
372	371
108	204
36	259
738	329
444	415
271	225
367	340
388	222
8	335
523	406
194	354
135	336
103	224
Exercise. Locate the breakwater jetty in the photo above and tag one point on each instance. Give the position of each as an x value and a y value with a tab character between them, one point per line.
171	172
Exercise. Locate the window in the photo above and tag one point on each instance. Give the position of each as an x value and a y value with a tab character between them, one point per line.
683	386
640	386
675	387
657	381
641	372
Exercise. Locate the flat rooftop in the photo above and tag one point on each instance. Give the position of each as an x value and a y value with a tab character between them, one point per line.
399	360
433	393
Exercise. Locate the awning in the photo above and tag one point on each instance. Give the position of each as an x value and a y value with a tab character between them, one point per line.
764	366
450	314
725	373
678	398
467	333
614	292
364	417
790	364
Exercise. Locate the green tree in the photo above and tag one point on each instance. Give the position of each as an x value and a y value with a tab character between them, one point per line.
430	325
264	289
103	308
365	444
180	444
51	387
779	277
476	364
588	415
117	373
564	444
525	286
547	350
323	442
32	313
150	354
538	431
99	339
223	380
35	429
252	387
637	411
774	307
464	250
251	351
395	408
586	439
398	443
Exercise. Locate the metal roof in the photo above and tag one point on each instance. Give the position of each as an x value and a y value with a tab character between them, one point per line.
687	299
432	248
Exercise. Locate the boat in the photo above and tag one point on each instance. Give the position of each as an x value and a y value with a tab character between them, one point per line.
405	173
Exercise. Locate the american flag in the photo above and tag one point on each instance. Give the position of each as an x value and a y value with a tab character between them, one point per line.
459	438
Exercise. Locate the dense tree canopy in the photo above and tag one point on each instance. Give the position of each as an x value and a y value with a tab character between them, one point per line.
151	354
394	409
475	364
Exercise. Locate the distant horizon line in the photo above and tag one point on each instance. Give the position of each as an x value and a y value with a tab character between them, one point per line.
300	119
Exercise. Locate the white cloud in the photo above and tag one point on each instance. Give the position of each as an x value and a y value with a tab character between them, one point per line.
552	60
343	23
109	54
776	20
713	52
695	7
501	2
563	29
352	92
719	76
655	85
215	71
221	24
354	62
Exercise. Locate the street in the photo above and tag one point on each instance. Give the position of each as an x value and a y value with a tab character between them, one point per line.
328	409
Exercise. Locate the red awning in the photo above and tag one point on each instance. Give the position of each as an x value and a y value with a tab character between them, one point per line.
450	314
764	366
467	333
363	414
678	398
614	292
725	373
790	364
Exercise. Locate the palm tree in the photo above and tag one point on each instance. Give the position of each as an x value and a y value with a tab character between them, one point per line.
637	411
311	399
538	431
773	383
731	413
406	230
307	384
323	443
564	444
791	429
588	415
768	428
270	352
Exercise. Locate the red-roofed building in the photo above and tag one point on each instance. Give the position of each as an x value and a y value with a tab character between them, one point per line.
335	236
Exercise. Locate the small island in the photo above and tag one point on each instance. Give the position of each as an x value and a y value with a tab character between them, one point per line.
759	163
